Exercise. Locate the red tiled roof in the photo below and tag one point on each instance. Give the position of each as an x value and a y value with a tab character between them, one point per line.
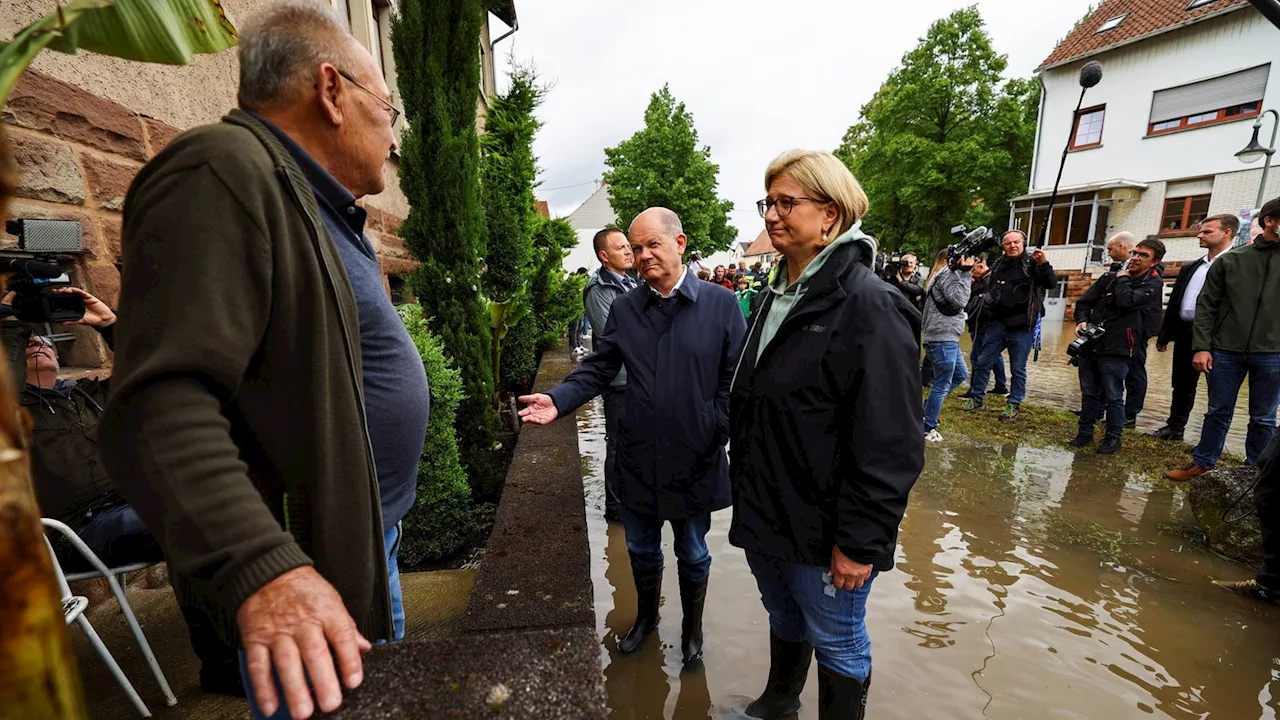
1145	17
761	245
542	208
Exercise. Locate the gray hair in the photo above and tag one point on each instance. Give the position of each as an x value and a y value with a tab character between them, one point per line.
282	44
670	222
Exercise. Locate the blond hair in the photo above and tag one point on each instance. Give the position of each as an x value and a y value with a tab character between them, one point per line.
940	261
823	178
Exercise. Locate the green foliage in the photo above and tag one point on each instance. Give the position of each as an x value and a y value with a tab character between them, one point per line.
438	70
439	524
662	166
555	297
944	140
508	174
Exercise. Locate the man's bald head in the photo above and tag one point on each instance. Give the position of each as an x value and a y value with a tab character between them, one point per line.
1119	245
657	244
660	218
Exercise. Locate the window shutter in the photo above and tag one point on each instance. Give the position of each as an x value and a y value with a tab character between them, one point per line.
1221	92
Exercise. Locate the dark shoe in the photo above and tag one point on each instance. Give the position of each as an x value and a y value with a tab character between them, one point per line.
1171	433
1249	589
1131	423
1010	412
222	679
840	697
648	595
1081	439
1108	445
693	596
971	404
788	670
612	514
1186	474
999	390
1077	412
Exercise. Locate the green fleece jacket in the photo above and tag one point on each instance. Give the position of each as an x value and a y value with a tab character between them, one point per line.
788	296
1239	308
235	424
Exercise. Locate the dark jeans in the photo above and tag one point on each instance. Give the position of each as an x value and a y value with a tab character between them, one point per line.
614	405
644	543
1267	503
1185	381
118	537
1228	374
996	338
998	368
1102	387
1135	383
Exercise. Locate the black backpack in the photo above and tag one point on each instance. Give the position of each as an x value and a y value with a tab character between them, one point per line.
943	305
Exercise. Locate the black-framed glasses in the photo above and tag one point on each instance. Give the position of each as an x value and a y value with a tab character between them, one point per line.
392	110
785	204
1143	255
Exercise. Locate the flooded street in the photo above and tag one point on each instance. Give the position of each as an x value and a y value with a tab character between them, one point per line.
1029	584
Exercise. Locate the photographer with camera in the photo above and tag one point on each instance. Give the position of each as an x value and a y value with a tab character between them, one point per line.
1110	328
72	485
904	274
1014	300
944	319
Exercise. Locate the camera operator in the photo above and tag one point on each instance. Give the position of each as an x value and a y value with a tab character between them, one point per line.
905	275
72	485
950	283
1118	303
981	285
1014	300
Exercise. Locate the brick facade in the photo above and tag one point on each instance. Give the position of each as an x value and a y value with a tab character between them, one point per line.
78	153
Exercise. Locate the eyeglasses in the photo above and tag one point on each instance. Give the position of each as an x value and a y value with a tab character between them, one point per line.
392	110
785	204
1143	255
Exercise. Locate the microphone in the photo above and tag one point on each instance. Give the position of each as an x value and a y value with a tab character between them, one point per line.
34	268
1090	74
976	234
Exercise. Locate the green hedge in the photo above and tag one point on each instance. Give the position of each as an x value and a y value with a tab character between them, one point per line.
439	524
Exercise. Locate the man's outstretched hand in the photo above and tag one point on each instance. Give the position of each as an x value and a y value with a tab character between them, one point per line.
298	624
540	410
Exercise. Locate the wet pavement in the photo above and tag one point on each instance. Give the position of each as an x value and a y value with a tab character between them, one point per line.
1031	583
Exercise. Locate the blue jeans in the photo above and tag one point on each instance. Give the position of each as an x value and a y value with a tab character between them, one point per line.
1102	381
644	543
948	372
1228	374
998	368
392	540
803	604
117	536
995	339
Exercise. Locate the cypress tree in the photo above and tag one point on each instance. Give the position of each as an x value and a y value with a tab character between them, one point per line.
436	45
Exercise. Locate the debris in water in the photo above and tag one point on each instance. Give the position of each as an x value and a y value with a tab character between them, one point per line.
498	696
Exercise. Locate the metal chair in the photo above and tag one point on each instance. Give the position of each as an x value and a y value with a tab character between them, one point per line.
74	606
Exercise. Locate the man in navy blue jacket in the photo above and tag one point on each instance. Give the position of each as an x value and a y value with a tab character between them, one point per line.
678	339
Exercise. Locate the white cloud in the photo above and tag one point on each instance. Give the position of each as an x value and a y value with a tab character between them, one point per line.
759	77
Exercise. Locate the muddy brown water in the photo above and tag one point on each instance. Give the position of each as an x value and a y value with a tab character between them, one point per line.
1030	583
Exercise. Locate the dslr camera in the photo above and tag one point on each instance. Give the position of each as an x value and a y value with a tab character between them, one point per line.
1085	341
972	243
36	271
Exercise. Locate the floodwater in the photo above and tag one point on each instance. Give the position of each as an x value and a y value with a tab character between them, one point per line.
1030	583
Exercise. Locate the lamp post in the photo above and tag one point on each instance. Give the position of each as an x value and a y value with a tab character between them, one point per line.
1255	151
1090	75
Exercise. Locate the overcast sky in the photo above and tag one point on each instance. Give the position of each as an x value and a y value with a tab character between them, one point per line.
760	77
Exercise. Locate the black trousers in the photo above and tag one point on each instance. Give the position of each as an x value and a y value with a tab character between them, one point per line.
614	405
1185	381
1267	502
1135	382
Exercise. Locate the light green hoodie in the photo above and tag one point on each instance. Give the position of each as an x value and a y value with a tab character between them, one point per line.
787	297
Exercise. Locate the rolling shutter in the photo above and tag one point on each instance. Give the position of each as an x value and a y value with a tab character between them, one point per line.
1214	94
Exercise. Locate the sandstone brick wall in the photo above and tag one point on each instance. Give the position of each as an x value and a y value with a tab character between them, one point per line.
78	153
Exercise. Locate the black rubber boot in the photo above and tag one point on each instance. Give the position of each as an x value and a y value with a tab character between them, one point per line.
841	697
788	670
693	596
648	594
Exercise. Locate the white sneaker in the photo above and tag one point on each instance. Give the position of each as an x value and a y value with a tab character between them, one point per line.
933	436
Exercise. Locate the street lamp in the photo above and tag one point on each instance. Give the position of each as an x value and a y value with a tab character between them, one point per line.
1255	151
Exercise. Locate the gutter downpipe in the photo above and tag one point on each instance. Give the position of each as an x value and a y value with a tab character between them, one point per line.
506	35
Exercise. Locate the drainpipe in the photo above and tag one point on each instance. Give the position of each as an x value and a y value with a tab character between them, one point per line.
508	34
1035	153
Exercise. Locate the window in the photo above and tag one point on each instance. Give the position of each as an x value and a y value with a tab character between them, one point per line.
1073	218
1200	3
1228	97
1088	132
397	285
1112	24
344	11
1183	215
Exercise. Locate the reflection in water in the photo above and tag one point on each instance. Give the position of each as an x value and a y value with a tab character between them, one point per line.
1031	583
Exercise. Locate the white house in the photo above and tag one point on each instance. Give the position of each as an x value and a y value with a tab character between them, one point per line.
1153	148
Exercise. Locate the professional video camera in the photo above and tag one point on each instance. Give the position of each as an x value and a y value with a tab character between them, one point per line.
1085	341
892	267
36	272
972	244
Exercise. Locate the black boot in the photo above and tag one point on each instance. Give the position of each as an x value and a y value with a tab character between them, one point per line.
788	669
841	697
1109	445
1081	439
1172	433
693	596
648	594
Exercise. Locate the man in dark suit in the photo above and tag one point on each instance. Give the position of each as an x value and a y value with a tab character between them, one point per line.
1216	236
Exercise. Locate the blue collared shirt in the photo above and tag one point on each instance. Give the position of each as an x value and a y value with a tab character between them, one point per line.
396	397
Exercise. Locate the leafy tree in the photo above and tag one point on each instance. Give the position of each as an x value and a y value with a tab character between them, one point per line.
438	68
555	297
662	166
944	140
508	175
